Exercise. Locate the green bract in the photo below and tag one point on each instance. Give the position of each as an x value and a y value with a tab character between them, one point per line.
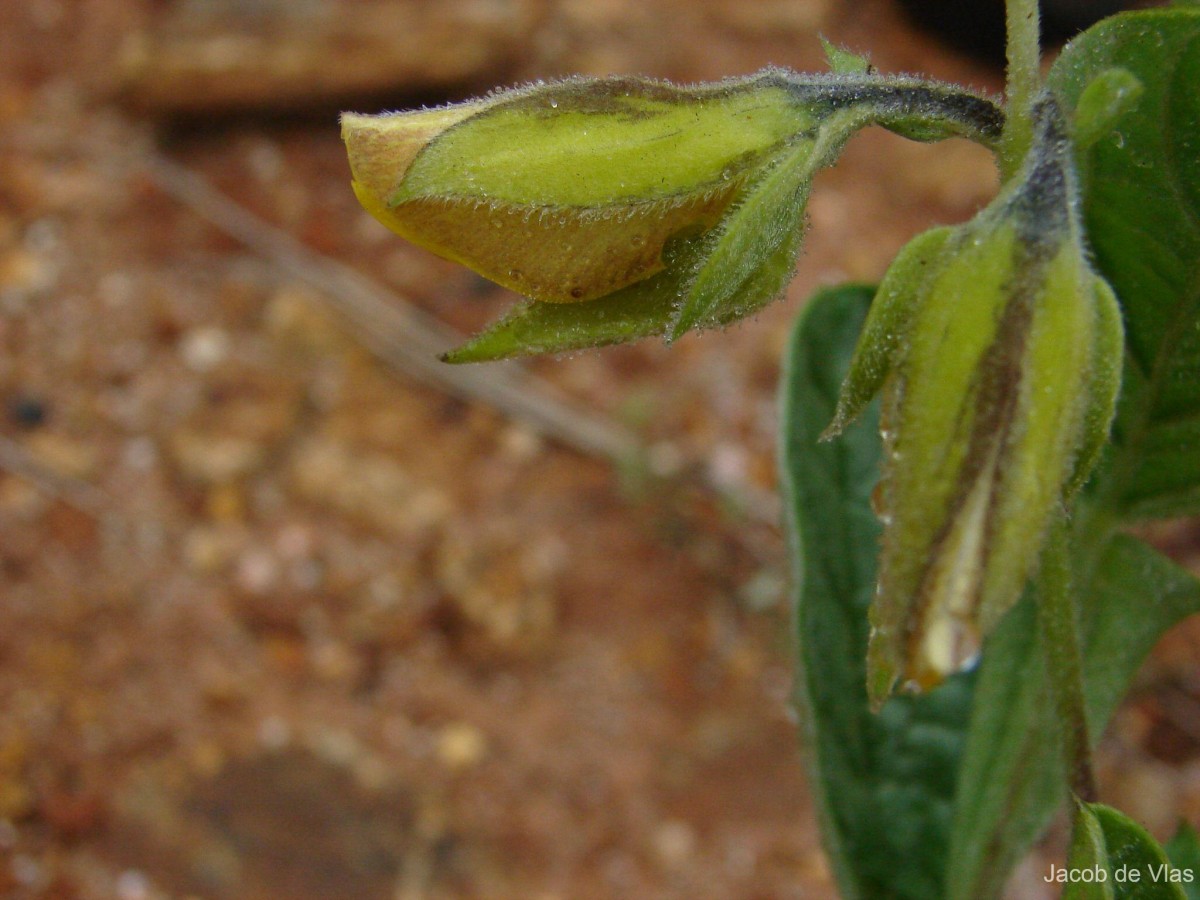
625	207
999	350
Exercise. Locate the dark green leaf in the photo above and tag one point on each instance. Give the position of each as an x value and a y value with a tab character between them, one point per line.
1011	782
1142	207
885	783
1184	852
1114	858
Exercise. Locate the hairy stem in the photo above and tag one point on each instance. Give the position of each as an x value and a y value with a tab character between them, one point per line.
908	104
1024	79
1063	653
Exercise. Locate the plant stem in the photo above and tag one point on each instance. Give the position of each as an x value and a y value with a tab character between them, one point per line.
1024	79
1063	654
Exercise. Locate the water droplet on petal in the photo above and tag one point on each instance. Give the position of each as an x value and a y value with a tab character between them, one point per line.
877	504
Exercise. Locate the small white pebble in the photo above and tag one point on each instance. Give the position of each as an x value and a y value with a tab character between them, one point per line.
461	745
274	733
140	453
675	843
132	885
257	571
205	348
27	871
727	465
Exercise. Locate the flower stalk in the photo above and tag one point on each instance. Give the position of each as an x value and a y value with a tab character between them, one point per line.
1024	81
1062	651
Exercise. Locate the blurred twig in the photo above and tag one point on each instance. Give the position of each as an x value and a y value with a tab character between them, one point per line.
80	495
403	336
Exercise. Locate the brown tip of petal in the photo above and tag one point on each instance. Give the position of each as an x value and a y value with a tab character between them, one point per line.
382	148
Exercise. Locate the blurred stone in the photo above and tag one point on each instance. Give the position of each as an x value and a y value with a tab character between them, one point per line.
72	813
674	843
461	745
214	458
258	571
245	415
370	487
24	272
289	823
229	55
299	318
502	591
28	872
61	455
226	503
204	348
16	800
133	885
210	548
21	499
333	661
521	444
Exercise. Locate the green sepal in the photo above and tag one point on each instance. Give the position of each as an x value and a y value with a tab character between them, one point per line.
534	327
767	224
1104	385
644	309
886	326
1107	97
845	62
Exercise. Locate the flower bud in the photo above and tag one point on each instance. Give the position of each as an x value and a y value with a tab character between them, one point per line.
999	376
625	207
568	191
